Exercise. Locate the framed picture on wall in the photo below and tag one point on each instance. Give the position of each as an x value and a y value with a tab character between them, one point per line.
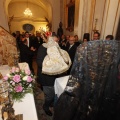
28	27
70	16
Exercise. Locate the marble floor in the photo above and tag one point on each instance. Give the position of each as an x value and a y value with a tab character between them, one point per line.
39	99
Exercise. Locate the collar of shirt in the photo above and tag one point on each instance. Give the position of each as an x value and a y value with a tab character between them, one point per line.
71	46
27	42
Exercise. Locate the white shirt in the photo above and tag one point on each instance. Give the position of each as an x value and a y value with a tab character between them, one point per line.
71	46
27	42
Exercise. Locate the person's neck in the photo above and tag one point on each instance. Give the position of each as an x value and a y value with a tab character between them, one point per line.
71	44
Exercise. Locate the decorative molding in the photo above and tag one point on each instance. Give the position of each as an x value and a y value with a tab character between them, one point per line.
77	6
29	18
106	18
95	26
92	12
61	10
103	15
65	13
116	17
83	23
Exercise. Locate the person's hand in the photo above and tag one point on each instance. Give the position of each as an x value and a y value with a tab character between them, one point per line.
33	49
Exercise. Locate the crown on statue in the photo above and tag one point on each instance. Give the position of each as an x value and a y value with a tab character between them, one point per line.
45	34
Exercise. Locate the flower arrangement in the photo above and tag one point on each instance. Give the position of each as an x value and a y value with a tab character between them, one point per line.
20	82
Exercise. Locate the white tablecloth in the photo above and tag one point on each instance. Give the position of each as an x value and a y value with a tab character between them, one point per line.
4	69
23	66
60	84
27	106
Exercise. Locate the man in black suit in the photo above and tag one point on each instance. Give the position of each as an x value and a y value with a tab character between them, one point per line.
31	45
47	81
71	50
30	41
26	53
38	40
96	36
77	41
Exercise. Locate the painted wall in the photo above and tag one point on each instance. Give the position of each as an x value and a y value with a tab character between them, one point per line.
37	19
53	13
3	18
106	11
111	18
18	8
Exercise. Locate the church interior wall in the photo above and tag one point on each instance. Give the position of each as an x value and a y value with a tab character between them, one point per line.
52	8
111	18
37	19
3	18
86	12
89	11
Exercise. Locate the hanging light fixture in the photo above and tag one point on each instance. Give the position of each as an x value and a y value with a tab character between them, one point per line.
27	11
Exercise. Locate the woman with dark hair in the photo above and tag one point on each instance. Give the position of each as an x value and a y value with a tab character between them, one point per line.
86	37
109	37
77	41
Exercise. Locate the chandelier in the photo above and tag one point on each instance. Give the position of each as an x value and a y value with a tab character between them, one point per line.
27	11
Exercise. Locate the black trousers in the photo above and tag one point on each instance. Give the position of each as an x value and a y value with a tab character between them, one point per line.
49	94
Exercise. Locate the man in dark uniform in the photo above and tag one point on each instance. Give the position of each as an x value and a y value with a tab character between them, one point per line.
71	50
30	44
46	81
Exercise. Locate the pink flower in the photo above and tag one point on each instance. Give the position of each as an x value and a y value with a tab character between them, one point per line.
29	79
16	78
5	78
27	71
18	88
17	70
13	69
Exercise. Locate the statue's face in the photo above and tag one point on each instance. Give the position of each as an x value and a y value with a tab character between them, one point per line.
56	39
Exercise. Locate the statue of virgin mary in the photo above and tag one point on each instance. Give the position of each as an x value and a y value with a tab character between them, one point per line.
93	88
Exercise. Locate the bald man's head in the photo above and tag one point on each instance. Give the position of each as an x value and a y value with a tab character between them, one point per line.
72	40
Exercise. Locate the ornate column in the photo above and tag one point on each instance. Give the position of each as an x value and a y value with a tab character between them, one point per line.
85	19
55	14
77	4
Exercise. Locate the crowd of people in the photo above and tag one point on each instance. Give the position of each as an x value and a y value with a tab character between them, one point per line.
39	46
28	44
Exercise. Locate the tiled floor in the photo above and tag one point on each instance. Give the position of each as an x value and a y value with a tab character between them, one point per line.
39	100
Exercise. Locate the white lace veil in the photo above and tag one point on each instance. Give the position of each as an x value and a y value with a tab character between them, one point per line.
57	61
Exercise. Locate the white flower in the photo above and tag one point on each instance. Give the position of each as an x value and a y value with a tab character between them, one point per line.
30	85
17	70
8	75
25	78
13	83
